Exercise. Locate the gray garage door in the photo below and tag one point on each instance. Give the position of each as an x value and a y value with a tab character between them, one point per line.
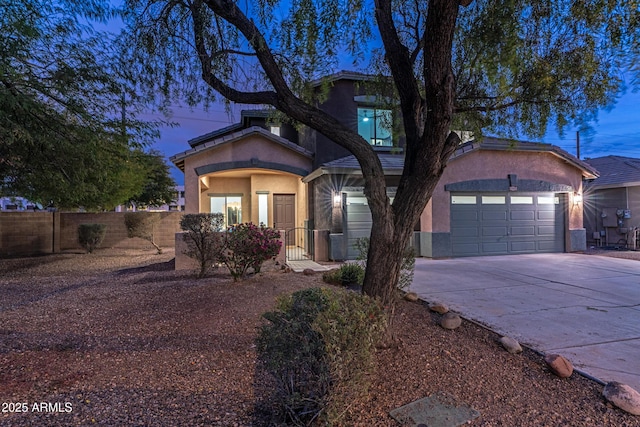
506	223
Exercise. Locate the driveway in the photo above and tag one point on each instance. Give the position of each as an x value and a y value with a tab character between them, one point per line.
585	307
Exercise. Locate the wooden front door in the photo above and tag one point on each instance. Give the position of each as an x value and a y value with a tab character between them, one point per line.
284	216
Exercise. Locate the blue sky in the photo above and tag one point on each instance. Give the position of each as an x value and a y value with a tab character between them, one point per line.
617	131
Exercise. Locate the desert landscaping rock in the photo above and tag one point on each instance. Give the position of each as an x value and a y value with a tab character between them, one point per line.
623	396
511	345
438	308
450	321
411	296
308	272
559	365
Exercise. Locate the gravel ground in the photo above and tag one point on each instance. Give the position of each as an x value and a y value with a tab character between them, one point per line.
120	338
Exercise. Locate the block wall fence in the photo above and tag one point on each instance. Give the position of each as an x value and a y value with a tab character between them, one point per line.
37	233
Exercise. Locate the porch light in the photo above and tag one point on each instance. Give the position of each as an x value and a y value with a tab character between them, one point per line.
577	198
337	198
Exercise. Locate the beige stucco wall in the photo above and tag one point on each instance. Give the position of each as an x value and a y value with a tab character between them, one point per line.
497	165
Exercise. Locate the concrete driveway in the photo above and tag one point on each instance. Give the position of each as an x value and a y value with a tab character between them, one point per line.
584	307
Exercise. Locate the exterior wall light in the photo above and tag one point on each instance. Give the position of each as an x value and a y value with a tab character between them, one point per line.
577	198
337	198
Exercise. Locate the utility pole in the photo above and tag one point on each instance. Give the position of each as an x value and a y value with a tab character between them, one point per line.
578	144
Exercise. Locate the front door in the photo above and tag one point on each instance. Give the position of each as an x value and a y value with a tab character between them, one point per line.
284	217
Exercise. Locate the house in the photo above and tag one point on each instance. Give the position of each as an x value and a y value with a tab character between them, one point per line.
495	197
612	202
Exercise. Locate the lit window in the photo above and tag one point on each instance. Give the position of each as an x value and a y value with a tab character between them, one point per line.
275	130
521	200
230	206
374	126
263	209
463	200
493	200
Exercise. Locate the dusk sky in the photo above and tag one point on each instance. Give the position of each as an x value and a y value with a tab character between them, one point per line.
617	132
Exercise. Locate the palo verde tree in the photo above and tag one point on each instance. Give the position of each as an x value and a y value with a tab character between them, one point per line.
507	66
67	108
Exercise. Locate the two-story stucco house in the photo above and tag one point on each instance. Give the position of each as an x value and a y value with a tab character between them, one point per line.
495	197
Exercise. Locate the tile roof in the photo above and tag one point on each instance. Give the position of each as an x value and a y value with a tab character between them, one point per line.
615	171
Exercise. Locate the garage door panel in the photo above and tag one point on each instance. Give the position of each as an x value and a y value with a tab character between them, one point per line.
523	231
465	232
466	215
523	246
495	247
494	215
523	215
546	230
546	215
494	231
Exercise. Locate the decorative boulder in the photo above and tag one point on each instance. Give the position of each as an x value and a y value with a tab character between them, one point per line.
623	396
450	321
411	296
438	308
559	365
308	272
511	345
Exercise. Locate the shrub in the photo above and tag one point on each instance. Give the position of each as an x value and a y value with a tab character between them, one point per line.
407	267
332	277
249	246
204	238
318	346
351	274
141	224
90	236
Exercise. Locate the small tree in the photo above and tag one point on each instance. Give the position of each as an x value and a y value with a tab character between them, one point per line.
90	236
141	224
204	238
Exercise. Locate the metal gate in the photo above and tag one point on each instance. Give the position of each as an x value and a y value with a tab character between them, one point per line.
299	243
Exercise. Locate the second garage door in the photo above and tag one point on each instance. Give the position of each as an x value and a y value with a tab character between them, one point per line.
506	223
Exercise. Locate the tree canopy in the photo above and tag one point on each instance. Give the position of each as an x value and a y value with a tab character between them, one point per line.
159	187
509	67
67	107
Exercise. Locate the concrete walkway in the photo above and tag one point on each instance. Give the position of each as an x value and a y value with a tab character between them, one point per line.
584	307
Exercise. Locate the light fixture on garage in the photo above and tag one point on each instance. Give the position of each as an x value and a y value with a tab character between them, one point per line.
337	199
577	198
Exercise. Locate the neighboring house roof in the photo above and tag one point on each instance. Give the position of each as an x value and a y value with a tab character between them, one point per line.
615	171
393	163
178	159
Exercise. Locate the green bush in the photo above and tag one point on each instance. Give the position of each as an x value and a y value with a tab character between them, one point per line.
318	346
141	224
249	246
204	238
90	236
351	274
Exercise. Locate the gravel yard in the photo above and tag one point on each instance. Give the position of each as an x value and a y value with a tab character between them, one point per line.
119	338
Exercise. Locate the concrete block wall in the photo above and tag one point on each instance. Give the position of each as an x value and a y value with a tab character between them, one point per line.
34	233
116	235
26	233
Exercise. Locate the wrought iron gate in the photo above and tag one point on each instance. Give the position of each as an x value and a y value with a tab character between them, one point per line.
299	243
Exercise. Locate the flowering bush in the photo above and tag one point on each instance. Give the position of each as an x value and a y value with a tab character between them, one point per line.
248	246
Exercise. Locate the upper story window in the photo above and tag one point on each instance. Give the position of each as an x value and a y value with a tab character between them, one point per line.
275	130
374	125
